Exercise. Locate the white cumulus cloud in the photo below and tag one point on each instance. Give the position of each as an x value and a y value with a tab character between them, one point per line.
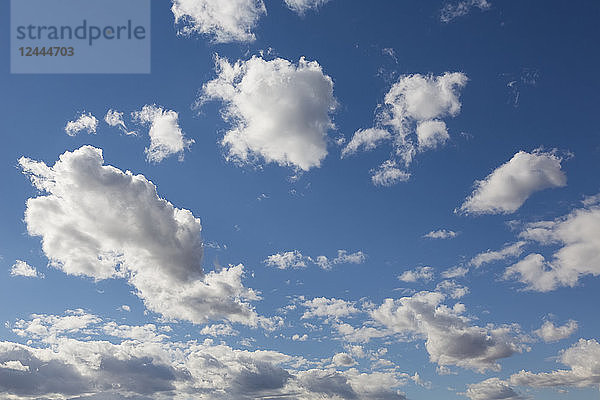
450	338
578	237
431	134
85	122
115	118
388	174
295	259
511	250
441	234
549	332
166	137
367	139
223	20
98	221
329	308
279	112
583	360
417	274
506	189
492	389
411	114
302	6
21	268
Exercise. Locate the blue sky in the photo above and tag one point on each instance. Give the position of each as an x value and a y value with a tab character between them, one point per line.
397	200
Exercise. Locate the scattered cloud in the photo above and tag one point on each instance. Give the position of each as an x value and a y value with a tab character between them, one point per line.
115	118
492	389
286	260
412	117
302	6
166	137
431	134
21	268
329	308
280	112
417	274
294	259
451	11
450	339
223	20
368	139
577	234
388	174
343	360
506	189
299	338
549	332
455	272
343	257
141	237
219	330
489	256
452	289
85	122
441	234
583	360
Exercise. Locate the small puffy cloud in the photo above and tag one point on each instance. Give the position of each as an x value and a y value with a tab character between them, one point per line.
223	20
455	272
461	8
583	360
279	111
295	259
489	256
219	330
450	338
452	289
125	307
166	137
302	6
412	115
297	338
286	260
85	122
141	237
367	139
343	257
417	274
343	360
329	308
492	389
441	234
549	332
431	134
21	268
506	189
115	118
578	237
388	174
